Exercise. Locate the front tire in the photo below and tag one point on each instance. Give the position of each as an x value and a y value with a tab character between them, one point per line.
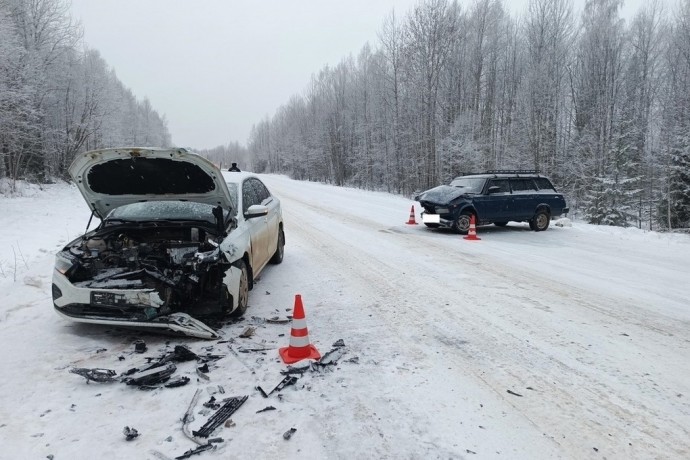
243	292
541	221
461	225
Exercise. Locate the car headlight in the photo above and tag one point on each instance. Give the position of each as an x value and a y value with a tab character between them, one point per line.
64	263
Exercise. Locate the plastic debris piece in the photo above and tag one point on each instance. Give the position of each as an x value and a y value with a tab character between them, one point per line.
196	451
183	353
299	368
95	375
286	381
179	382
189	417
288	434
339	343
212	404
130	433
332	357
266	409
220	416
248	332
140	346
151	376
513	393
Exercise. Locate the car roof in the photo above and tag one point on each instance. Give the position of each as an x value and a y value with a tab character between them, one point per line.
236	177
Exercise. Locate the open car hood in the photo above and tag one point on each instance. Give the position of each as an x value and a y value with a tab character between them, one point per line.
110	178
442	194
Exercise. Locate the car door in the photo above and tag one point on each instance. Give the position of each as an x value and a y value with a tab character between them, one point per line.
272	218
492	207
524	198
258	226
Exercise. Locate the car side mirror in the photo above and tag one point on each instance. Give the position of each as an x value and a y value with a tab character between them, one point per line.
256	210
494	189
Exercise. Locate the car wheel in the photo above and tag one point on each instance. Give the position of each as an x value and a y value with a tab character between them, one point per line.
541	221
462	224
243	292
280	248
500	224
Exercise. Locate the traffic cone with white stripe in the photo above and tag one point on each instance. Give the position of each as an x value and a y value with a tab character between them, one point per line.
299	348
472	234
411	220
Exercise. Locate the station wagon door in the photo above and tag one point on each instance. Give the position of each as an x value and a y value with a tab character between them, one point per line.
494	207
525	198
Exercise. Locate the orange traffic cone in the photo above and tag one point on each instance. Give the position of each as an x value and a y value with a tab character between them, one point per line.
299	348
472	234
411	221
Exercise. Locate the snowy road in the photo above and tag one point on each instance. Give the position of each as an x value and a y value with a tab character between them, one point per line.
571	343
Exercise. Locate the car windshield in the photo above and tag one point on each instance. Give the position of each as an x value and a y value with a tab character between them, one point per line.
147	211
469	184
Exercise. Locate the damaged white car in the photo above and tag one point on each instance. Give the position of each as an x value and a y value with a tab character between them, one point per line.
178	241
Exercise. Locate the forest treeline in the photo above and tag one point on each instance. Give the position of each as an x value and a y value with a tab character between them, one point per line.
59	98
599	104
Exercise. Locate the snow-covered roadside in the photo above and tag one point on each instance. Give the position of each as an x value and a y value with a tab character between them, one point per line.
589	325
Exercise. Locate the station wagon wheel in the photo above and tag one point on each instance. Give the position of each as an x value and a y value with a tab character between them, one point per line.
462	224
280	248
541	221
243	292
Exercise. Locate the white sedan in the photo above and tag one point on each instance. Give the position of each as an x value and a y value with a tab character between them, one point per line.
179	241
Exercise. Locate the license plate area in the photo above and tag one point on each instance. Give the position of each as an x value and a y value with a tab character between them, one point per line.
431	218
109	299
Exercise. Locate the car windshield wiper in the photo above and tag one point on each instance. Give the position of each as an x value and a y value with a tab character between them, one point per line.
118	221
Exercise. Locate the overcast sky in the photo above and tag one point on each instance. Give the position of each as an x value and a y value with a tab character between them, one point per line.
216	67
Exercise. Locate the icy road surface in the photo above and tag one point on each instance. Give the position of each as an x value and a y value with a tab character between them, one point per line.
571	343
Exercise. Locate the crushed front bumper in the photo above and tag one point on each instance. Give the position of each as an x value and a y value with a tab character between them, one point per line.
138	308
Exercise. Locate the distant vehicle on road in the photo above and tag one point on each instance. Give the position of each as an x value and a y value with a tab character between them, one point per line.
178	241
494	197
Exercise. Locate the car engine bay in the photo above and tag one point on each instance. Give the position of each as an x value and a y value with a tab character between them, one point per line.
183	264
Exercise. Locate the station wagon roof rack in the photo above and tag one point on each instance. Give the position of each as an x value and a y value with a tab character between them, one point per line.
512	171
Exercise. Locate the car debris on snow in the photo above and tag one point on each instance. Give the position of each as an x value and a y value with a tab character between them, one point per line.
140	346
212	404
248	332
331	357
286	381
178	382
288	434
513	393
195	451
95	375
272	320
266	409
130	433
220	416
151	376
339	343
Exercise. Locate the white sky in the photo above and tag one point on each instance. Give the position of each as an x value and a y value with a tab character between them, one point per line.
217	67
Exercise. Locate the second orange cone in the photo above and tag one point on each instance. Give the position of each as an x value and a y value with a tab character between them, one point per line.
300	348
411	220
